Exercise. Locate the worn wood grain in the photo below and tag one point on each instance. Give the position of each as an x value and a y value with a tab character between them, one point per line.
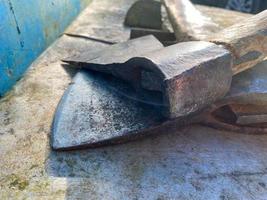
198	22
224	18
246	40
188	22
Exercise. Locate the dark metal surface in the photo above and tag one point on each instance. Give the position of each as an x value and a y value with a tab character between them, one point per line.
145	14
118	53
116	60
165	37
92	111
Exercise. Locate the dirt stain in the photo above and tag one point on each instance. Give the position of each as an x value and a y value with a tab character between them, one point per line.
18	182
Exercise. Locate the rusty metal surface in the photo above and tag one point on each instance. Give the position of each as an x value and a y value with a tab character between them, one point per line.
195	163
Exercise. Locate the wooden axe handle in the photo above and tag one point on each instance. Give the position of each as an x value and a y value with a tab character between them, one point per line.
247	41
188	22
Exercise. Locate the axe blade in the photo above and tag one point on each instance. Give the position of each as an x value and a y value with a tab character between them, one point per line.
92	112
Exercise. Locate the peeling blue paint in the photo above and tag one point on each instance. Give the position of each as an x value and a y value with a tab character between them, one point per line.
27	27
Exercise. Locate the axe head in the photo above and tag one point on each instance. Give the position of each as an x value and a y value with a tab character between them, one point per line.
189	75
100	109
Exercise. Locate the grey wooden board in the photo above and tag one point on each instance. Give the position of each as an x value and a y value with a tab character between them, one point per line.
196	163
105	22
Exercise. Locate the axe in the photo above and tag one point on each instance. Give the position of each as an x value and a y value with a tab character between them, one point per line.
99	109
190	76
94	112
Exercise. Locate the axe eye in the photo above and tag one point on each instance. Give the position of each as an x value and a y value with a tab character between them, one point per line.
242	115
225	115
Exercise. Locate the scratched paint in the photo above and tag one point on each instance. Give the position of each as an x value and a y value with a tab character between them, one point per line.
27	27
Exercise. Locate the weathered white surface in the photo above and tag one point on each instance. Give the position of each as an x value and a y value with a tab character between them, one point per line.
193	163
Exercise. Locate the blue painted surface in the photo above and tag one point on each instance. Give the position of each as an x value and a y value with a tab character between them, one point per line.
27	27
